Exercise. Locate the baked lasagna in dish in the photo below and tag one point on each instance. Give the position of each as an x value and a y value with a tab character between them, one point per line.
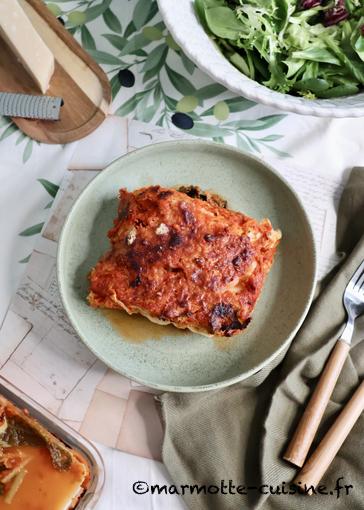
37	471
181	257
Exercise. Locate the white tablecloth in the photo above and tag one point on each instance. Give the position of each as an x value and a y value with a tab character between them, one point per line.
330	146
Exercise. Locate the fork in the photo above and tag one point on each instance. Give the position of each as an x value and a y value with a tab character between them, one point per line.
301	441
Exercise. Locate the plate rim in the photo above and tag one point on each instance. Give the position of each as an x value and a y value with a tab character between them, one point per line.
168	387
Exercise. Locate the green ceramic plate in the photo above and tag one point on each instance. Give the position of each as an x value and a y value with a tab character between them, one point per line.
161	356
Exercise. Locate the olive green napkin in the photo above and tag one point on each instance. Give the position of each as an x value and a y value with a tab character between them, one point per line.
239	433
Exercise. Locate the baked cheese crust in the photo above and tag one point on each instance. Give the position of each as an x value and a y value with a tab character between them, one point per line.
181	260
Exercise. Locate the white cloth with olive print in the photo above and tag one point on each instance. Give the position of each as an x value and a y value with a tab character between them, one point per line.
154	82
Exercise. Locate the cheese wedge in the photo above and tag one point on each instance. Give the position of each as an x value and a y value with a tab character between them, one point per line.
28	47
75	67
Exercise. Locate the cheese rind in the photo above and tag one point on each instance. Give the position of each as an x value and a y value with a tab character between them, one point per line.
20	35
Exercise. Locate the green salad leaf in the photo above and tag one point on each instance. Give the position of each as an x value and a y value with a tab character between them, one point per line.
359	47
313	48
223	23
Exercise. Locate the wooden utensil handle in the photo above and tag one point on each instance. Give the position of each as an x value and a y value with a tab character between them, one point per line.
320	460
299	446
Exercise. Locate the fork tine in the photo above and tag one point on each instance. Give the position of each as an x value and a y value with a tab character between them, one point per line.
357	276
359	282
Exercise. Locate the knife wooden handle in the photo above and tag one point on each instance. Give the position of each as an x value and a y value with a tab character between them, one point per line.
320	460
301	441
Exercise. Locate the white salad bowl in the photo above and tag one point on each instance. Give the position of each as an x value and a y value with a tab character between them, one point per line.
181	20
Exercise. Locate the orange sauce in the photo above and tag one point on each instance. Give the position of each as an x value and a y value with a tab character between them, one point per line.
137	329
223	343
44	487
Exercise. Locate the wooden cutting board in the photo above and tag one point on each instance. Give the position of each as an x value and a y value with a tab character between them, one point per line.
78	79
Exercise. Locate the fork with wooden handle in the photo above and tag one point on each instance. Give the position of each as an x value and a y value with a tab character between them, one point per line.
301	441
317	464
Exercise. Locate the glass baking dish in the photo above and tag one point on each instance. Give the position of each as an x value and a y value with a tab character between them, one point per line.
69	436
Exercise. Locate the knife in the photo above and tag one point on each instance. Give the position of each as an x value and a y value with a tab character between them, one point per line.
30	107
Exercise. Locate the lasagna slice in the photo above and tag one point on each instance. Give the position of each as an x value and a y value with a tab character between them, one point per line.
37	471
176	258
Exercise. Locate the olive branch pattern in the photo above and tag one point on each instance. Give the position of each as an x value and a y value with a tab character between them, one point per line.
167	91
152	80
